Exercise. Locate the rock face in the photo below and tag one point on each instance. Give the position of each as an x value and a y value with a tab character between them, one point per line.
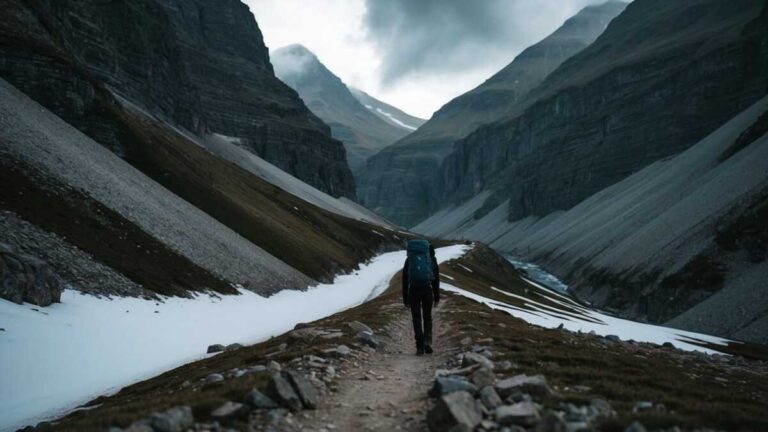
399	181
690	228
201	66
653	84
358	127
26	279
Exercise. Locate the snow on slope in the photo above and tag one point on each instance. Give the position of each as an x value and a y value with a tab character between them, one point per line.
70	352
33	134
542	315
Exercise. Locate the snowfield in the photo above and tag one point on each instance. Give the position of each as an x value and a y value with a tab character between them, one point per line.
56	358
587	320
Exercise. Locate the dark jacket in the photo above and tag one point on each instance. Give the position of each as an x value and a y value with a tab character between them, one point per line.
435	281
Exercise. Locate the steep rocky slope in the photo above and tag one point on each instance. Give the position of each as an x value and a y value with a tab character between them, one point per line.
661	77
398	181
683	240
393	115
202	66
361	130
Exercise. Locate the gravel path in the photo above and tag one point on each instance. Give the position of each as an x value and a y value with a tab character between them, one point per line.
389	392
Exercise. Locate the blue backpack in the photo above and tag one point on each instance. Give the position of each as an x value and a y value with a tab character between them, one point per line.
419	263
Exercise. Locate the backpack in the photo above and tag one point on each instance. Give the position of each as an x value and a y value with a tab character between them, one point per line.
419	263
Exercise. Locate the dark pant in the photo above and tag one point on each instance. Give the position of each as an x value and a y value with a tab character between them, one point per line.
421	306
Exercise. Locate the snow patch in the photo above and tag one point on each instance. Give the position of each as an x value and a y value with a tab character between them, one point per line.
542	315
395	120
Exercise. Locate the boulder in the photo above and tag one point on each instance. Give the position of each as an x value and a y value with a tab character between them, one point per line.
215	348
490	398
523	414
176	419
281	391
24	278
454	412
258	400
535	385
339	352
274	366
472	358
483	377
359	327
302	387
448	384
233	346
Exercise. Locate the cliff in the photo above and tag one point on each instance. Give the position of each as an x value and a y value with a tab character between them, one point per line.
198	65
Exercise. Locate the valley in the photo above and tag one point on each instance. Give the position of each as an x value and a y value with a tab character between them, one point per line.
206	222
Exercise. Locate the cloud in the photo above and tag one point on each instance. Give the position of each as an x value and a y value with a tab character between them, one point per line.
447	37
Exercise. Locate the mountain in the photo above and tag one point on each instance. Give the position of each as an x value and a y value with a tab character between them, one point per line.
678	242
387	112
201	66
361	130
660	78
398	181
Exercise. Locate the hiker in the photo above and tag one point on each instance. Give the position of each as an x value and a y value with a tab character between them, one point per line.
421	287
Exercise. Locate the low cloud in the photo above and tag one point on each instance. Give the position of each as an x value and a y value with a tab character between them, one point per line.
456	36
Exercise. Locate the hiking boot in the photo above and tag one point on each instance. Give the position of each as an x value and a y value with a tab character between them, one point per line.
419	351
428	349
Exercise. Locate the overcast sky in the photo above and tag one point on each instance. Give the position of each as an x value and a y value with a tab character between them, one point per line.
414	54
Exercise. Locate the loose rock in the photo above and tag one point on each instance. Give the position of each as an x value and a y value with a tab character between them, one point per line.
215	348
213	378
535	385
175	419
454	412
370	340
471	358
227	409
302	387
281	391
483	377
357	326
445	385
259	400
490	398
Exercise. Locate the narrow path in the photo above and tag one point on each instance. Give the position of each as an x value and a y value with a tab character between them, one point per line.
388	392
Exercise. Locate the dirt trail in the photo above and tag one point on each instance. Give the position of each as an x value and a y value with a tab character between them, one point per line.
388	392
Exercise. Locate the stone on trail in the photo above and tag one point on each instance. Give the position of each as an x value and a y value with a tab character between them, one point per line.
471	358
357	326
490	398
281	391
449	384
522	413
259	400
215	348
535	385
302	387
176	419
483	377
454	412
370	340
339	351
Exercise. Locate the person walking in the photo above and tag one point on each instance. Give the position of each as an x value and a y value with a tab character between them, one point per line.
421	289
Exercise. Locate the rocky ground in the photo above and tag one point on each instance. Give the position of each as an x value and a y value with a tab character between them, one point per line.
492	372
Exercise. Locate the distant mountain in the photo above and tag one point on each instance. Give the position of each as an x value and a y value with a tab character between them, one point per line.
363	131
387	112
397	181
